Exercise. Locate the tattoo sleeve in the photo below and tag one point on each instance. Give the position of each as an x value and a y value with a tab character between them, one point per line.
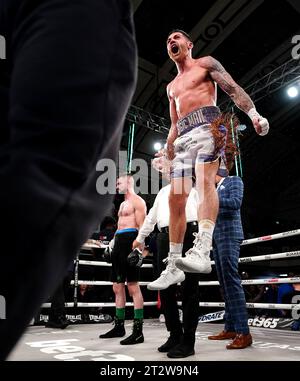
227	84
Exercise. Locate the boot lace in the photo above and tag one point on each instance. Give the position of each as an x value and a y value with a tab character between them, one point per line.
170	266
196	250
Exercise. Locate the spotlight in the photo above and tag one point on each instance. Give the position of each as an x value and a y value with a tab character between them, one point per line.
157	146
292	91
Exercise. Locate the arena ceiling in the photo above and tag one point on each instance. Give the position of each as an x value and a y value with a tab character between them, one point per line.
251	38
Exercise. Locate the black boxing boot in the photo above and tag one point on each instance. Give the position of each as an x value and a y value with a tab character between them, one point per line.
117	331
137	336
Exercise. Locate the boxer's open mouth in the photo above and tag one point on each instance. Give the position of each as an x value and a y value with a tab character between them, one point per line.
174	49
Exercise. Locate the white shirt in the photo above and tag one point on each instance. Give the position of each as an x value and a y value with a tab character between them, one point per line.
220	183
159	213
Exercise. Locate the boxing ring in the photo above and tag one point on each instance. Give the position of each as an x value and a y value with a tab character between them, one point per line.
81	343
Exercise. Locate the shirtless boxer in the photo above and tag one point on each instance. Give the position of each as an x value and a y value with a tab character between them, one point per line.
132	213
195	144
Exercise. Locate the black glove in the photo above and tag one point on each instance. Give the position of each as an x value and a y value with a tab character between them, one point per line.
135	258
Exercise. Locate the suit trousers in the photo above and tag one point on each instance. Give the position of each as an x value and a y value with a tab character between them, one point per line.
226	255
190	292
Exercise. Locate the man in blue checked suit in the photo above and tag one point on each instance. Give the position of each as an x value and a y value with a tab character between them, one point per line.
228	236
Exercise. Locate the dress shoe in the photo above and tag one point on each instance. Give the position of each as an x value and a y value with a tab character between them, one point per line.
224	335
181	351
240	341
169	344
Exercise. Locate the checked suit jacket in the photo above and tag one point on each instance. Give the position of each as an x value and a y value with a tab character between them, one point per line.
229	224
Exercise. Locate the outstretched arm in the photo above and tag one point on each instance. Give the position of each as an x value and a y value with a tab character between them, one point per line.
236	93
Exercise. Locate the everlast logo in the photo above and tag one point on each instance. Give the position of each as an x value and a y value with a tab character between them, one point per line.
73	317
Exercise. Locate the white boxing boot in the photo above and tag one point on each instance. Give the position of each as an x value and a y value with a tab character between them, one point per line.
171	275
197	259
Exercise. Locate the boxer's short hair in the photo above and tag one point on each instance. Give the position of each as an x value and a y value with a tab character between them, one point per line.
180	31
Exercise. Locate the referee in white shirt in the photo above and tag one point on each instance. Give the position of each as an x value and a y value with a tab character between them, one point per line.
182	339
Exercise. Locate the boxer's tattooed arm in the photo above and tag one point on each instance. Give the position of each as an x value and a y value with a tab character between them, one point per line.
227	84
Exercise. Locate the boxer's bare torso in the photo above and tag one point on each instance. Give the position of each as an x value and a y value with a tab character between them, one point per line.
127	218
132	211
192	89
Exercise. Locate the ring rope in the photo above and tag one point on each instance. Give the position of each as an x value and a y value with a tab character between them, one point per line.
267	257
257	281
201	304
266	306
81	305
102	283
105	264
270	237
208	283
